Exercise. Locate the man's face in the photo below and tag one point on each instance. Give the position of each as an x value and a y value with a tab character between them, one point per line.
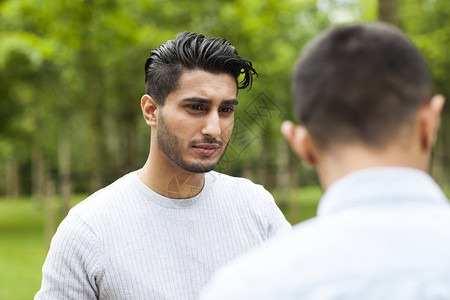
196	121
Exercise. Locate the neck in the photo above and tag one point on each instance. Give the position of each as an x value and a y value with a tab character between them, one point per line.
335	164
167	179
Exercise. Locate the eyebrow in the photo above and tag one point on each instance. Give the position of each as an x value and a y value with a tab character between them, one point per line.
208	101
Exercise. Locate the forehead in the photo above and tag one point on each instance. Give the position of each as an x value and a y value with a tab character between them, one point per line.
202	84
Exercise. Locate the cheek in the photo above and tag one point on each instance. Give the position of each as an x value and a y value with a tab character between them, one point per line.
227	127
186	132
184	128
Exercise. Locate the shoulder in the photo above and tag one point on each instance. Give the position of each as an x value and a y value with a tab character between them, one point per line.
287	267
241	191
88	221
250	199
113	197
238	184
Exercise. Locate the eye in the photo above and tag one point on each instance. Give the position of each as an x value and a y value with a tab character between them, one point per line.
196	107
227	109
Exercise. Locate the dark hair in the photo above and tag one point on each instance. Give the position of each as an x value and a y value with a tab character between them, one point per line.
360	83
189	51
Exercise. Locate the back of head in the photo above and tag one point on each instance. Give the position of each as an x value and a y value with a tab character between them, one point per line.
360	84
192	51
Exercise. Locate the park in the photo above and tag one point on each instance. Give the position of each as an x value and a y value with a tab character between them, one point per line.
71	80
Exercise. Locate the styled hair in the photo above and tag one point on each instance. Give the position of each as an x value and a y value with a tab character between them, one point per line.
361	83
192	51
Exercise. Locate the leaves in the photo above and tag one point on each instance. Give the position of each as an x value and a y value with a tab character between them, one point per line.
77	66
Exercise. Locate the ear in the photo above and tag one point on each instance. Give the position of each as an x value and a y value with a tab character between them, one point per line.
300	141
149	107
429	121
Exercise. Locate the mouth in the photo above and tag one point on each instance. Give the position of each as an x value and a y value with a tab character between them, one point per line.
207	149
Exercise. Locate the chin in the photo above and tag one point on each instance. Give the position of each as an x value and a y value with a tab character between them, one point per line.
199	167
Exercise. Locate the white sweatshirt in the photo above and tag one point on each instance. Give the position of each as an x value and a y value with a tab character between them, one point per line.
128	242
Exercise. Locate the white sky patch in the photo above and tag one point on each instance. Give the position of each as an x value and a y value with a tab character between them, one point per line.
323	5
340	11
342	16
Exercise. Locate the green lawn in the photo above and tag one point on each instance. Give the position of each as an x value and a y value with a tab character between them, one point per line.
298	204
22	248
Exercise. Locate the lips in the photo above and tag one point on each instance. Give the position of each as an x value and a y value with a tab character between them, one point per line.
207	149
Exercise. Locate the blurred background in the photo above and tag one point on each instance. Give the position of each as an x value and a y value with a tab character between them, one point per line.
71	78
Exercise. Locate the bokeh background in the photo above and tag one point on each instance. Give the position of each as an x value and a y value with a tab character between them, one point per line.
71	78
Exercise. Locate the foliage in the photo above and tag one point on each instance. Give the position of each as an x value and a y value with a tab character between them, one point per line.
427	23
73	70
71	73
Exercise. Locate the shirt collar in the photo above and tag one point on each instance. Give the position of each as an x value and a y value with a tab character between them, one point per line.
171	202
380	185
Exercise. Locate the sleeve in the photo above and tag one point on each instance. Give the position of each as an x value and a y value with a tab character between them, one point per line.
275	221
72	268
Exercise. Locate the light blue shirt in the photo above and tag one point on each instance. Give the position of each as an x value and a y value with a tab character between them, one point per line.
381	233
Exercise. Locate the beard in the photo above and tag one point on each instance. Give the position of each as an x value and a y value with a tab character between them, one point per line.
170	145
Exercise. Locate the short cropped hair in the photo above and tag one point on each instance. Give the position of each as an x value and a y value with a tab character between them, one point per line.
360	83
192	51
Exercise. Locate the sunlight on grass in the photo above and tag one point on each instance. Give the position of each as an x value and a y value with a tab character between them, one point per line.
22	248
299	204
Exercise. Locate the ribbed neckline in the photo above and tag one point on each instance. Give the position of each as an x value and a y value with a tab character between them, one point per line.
165	201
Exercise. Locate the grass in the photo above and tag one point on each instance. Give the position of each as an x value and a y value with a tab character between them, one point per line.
298	204
22	248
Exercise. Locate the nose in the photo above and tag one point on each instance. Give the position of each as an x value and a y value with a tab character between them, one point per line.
211	127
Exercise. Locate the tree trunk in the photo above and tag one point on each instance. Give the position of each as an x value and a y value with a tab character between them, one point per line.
50	212
129	143
445	146
282	179
268	171
387	12
247	172
38	176
439	162
128	120
294	206
260	170
12	179
95	166
64	168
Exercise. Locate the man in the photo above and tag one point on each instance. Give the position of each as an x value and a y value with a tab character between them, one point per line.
160	232
368	123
